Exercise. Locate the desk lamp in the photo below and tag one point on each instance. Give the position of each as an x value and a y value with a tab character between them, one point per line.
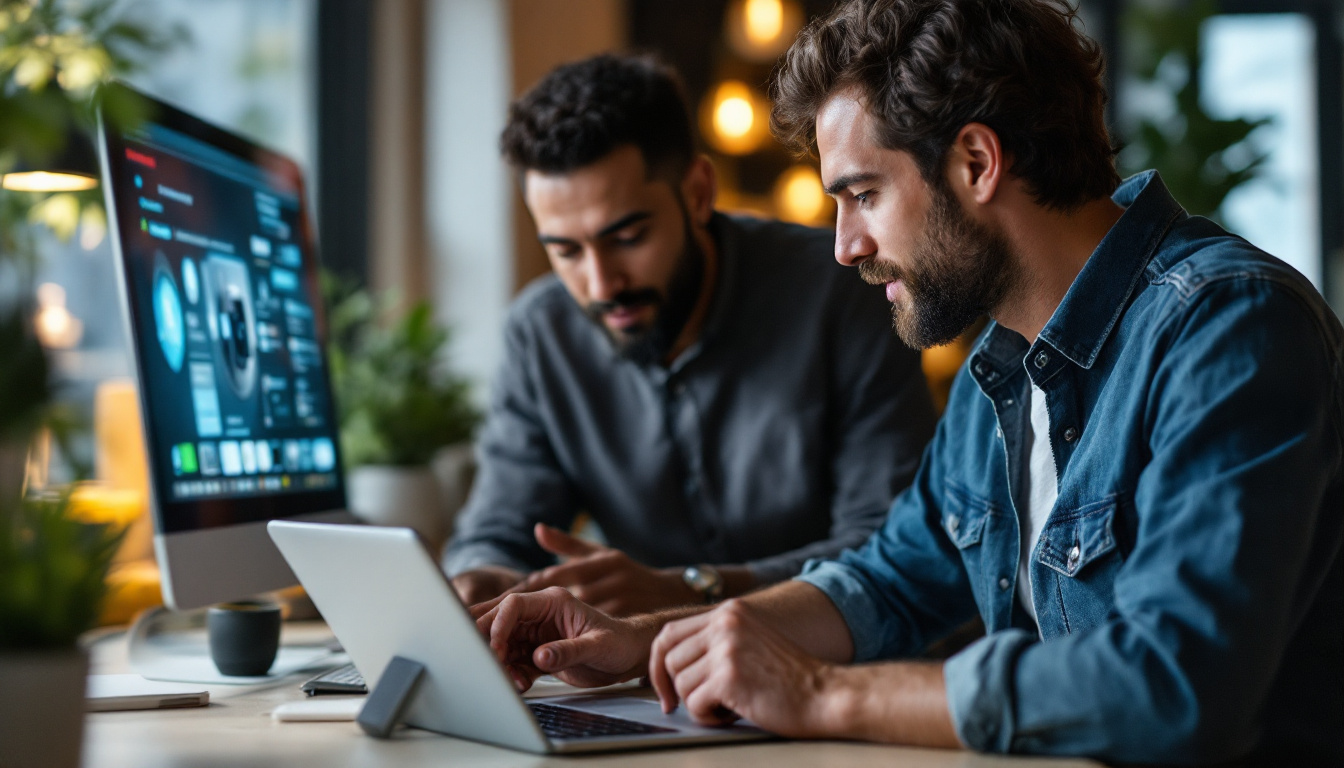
74	169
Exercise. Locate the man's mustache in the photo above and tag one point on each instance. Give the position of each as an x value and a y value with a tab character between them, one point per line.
625	300
876	272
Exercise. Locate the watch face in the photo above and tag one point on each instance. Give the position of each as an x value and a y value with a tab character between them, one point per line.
704	579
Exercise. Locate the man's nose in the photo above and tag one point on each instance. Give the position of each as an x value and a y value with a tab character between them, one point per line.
604	277
853	245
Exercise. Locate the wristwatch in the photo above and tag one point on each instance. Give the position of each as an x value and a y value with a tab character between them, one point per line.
705	580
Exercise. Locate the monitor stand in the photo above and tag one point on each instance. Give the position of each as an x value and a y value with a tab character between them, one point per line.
166	645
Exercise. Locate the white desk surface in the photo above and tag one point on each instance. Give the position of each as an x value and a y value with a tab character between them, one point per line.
237	730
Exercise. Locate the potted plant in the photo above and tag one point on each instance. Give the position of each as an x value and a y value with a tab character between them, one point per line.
406	419
52	582
53	57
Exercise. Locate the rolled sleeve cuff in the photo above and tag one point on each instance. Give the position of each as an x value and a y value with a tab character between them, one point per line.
856	606
980	690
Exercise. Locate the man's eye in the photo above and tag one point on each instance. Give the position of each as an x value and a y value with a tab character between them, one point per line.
633	238
565	253
863	197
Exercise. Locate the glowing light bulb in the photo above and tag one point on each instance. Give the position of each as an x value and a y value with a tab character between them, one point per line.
55	327
799	197
733	117
760	30
764	21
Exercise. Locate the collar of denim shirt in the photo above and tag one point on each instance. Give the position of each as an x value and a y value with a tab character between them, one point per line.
1095	301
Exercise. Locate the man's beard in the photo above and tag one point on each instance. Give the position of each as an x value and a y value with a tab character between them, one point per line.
648	344
959	271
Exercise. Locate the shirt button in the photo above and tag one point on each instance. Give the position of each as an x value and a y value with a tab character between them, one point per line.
1003	583
1042	359
1074	555
953	523
1070	435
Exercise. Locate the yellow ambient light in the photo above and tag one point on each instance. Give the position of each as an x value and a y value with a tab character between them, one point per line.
764	21
46	181
799	197
760	30
732	118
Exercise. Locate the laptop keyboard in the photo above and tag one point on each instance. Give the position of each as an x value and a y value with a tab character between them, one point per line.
566	723
345	679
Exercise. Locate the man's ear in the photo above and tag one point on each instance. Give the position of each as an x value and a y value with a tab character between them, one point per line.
699	187
975	164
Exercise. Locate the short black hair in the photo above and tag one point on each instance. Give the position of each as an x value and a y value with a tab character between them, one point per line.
581	112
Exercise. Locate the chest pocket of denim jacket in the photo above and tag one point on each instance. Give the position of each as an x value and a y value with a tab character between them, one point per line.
1079	547
965	517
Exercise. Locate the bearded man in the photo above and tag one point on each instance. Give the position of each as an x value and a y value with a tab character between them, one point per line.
714	391
1138	484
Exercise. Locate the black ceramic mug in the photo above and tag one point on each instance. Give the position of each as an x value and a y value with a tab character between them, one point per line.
244	637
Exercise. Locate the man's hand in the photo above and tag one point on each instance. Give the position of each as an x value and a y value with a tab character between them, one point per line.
551	632
736	661
606	578
485	583
731	663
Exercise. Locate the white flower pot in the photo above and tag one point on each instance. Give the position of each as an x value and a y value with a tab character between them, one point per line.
42	707
407	497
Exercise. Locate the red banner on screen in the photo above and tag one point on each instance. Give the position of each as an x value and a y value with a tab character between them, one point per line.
143	159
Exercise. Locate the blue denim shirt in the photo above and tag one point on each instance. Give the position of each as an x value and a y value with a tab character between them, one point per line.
1188	582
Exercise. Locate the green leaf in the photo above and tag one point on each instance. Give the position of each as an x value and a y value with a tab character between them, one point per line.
1201	158
397	399
53	571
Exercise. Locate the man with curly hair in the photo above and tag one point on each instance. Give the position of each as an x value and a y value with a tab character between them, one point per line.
1136	485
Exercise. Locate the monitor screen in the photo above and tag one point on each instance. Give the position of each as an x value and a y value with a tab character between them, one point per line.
221	286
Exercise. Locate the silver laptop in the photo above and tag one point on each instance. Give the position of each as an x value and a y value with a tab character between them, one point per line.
383	595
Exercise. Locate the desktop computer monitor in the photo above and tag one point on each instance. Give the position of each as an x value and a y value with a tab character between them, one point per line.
219	281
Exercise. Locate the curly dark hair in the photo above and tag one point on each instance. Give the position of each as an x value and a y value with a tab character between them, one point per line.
926	68
582	111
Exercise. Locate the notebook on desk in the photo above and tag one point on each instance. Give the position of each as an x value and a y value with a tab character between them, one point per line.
111	693
383	595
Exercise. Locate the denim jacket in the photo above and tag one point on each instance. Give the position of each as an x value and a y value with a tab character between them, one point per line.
1188	581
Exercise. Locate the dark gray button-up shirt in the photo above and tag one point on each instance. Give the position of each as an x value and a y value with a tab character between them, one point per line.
781	435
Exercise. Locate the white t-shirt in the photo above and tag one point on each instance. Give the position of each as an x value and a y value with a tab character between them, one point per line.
1042	490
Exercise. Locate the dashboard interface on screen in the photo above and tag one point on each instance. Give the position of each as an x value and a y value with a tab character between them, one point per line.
221	286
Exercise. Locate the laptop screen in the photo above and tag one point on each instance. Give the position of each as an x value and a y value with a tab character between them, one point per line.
220	278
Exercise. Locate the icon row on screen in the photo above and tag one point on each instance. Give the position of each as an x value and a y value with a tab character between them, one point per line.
234	458
183	489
